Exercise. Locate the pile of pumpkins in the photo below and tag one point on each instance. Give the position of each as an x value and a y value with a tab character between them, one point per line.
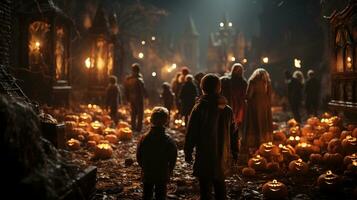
99	134
325	142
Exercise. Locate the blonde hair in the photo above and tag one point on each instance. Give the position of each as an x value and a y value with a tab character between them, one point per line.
299	76
260	74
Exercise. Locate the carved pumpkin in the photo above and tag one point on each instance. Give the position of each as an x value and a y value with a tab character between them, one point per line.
83	125
304	150
315	158
111	138
268	149
125	134
248	172
326	115
294	131
293	140
292	122
349	159
298	167
317	142
344	134
103	151
91	144
85	117
279	135
335	121
275	190
335	146
349	145
257	162
73	144
109	131
288	152
333	160
122	124
329	182
352	167
319	130
97	127
70	125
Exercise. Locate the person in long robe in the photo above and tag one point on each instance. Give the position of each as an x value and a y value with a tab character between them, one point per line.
258	122
239	87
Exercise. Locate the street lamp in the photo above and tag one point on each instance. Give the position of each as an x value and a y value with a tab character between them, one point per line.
265	60
244	60
153	38
141	55
233	58
153	74
297	63
221	24
143	42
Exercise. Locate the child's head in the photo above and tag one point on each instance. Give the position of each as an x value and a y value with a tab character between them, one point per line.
159	116
135	68
166	86
112	80
211	84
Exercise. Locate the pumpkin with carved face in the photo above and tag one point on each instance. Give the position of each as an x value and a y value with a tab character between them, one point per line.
257	162
326	137
304	150
279	135
294	131
344	134
313	121
349	145
97	127
125	134
111	138
349	159
74	118
92	144
293	140
85	117
329	182
103	151
306	129
109	131
298	167
292	123
275	190
288	152
73	144
268	150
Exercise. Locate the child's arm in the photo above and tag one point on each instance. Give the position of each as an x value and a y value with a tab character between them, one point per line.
192	131
139	152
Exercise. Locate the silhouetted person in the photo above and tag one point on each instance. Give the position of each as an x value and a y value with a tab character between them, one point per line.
210	132
239	87
294	95
167	96
198	77
258	124
181	81
226	88
113	98
156	155
312	92
135	93
187	96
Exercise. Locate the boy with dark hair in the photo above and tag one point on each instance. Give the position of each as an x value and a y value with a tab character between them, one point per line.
156	155
210	131
113	98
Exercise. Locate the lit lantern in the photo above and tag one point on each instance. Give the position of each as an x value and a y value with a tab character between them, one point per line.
100	60
45	48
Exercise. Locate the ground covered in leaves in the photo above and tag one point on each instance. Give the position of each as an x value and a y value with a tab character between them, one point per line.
119	176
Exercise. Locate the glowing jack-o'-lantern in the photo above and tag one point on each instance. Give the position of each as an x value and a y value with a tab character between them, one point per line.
298	167
349	159
103	151
74	118
73	144
85	117
108	131
97	127
329	182
293	140
268	149
306	129
335	146
295	131
288	152
304	149
313	121
122	124
275	190
257	162
125	134
83	125
349	144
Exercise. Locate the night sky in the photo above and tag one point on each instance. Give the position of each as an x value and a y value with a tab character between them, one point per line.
207	14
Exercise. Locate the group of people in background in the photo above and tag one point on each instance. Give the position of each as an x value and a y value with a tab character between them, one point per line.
222	114
301	91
